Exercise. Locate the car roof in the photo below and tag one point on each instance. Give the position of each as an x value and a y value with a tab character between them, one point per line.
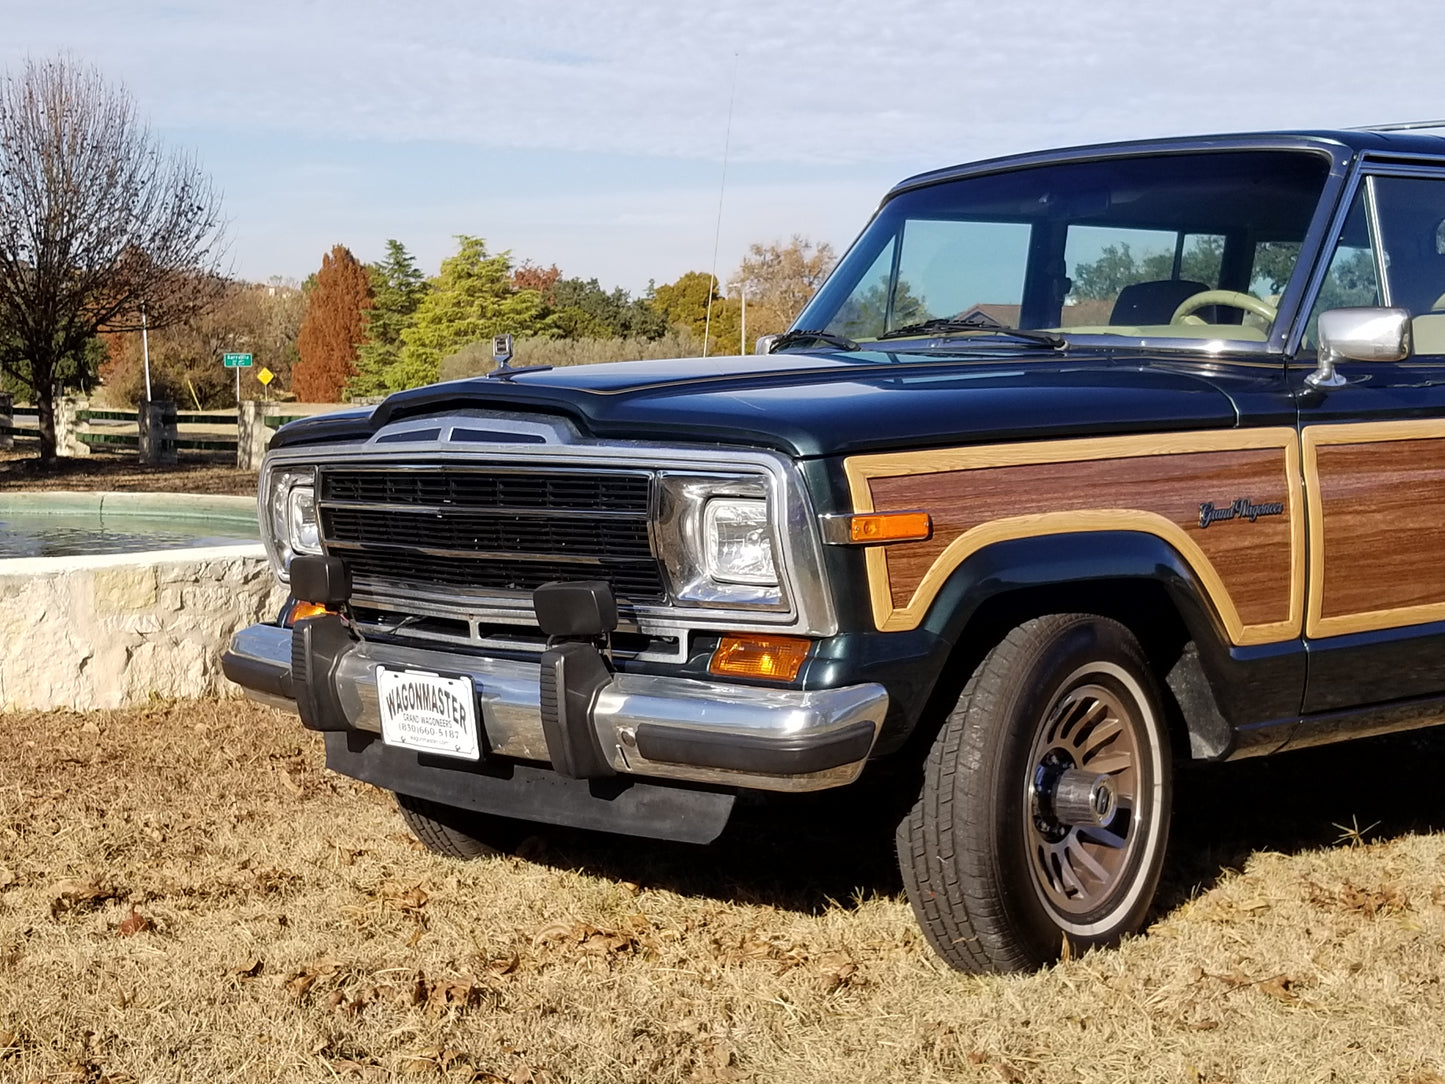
1340	144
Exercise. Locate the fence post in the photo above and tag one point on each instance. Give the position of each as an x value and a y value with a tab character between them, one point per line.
7	419
252	435
67	428
157	420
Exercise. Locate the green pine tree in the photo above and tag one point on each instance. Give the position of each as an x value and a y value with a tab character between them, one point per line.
397	287
471	300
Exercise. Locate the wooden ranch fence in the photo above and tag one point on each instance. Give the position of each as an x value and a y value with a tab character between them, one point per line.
82	430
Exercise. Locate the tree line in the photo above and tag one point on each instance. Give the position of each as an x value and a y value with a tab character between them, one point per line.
356	330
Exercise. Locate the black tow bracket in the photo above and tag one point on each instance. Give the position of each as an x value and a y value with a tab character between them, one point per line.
577	617
317	645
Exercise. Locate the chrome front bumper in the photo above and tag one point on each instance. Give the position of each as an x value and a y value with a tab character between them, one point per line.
701	731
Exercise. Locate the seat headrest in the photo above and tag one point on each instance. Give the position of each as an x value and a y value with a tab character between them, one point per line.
1154	302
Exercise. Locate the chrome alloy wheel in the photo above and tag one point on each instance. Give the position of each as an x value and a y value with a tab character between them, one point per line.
1090	798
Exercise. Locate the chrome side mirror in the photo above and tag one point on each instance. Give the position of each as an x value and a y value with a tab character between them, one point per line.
1359	334
764	344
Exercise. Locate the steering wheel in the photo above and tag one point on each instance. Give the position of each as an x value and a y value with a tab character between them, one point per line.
1234	299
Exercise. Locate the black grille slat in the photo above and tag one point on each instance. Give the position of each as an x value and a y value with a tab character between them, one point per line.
469	489
505	530
469	531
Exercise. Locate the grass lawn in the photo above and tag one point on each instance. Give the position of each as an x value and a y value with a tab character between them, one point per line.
112	471
186	894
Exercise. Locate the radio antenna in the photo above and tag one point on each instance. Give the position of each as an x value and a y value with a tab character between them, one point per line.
1403	126
722	188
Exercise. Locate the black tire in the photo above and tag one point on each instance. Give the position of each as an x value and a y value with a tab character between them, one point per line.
457	833
997	876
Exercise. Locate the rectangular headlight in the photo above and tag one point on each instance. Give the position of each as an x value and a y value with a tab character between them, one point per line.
717	539
290	519
738	541
304	531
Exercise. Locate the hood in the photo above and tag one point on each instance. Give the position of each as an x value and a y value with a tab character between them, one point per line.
813	404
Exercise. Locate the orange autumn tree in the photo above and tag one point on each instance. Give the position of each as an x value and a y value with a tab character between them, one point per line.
334	326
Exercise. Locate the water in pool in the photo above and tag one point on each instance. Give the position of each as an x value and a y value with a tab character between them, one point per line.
72	534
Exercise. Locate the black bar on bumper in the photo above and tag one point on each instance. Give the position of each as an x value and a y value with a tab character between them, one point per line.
257	675
526	792
755	753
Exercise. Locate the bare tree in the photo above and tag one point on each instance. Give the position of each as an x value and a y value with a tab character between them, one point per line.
97	223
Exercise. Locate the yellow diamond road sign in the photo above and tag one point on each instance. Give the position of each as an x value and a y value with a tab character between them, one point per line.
265	376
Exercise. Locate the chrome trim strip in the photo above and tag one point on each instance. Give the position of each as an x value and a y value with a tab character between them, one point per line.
493	555
481	509
508	695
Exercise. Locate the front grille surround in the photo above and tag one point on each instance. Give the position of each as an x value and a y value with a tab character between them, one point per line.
808	605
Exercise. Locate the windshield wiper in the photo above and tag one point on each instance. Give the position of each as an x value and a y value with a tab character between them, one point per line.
952	325
792	338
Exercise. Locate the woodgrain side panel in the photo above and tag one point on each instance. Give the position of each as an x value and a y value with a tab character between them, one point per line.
1377	491
1252	570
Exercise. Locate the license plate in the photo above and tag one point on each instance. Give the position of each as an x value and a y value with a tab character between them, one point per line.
429	712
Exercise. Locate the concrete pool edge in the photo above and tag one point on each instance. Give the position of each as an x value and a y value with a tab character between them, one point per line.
116	629
130	503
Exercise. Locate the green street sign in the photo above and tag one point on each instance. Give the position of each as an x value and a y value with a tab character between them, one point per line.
237	361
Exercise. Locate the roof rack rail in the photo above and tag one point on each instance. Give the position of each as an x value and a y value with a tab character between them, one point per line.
1405	126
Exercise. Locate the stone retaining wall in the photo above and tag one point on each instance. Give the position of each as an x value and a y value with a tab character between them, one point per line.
115	630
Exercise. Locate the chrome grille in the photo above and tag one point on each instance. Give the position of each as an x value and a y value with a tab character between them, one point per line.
489	529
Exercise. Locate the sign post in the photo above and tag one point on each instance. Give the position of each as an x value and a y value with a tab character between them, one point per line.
265	376
237	362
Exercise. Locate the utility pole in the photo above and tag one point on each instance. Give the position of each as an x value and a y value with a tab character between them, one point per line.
145	345
743	335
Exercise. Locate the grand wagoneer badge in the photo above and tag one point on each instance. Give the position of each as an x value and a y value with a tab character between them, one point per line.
1243	508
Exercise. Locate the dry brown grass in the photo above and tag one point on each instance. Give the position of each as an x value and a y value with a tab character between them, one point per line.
114	471
187	895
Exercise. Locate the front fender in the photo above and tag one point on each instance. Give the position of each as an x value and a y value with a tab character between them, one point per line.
1252	686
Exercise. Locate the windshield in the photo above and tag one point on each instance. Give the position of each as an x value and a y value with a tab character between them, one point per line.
1176	246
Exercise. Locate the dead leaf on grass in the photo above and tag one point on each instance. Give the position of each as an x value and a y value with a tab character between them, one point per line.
7	878
1006	1071
1280	987
1352	899
403	899
300	983
134	923
557	931
838	970
406	840
504	965
447	994
431	1058
79	896
248	970
271	881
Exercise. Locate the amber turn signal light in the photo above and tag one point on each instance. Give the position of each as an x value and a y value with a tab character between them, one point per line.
778	658
890	527
302	610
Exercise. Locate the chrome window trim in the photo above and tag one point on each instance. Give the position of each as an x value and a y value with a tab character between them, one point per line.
809	609
1366	167
1288	327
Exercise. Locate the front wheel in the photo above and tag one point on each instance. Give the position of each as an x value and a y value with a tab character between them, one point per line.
457	833
1045	803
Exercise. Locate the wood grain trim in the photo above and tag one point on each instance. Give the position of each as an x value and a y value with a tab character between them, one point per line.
861	470
1315	437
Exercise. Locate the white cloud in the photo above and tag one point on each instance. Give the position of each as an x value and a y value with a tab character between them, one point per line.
833	81
843	93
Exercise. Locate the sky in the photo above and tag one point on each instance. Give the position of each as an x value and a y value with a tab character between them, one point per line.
604	137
